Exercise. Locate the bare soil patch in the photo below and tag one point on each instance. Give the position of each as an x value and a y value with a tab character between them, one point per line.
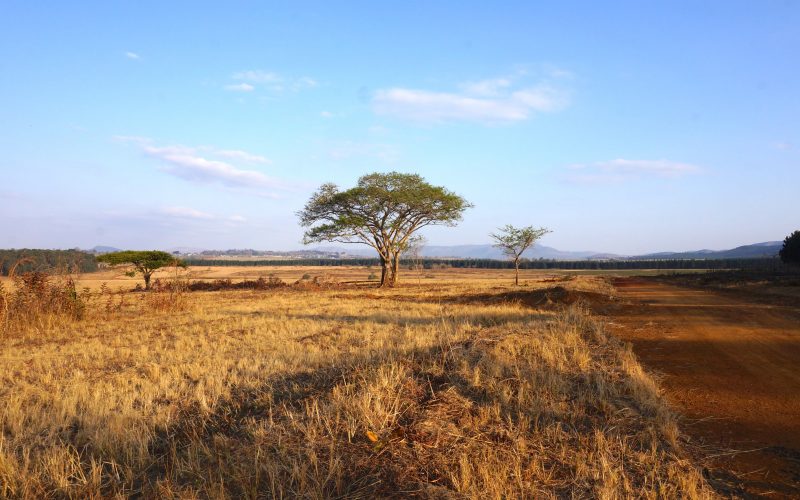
778	288
730	366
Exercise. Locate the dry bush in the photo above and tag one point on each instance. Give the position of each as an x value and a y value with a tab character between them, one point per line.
168	295
332	393
112	302
228	284
37	301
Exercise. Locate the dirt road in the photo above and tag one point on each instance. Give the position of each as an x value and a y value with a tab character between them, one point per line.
732	369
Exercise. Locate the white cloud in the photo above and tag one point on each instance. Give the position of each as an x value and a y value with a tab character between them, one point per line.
185	213
271	81
199	169
240	87
258	76
326	114
241	156
542	98
135	139
189	163
782	145
487	101
306	82
486	88
622	169
133	55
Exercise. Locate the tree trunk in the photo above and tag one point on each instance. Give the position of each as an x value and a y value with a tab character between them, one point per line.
395	268
147	280
516	272
383	272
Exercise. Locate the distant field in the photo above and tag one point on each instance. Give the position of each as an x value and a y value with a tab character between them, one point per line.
117	279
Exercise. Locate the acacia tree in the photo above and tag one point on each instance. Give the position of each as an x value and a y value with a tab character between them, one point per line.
144	262
513	241
790	252
383	210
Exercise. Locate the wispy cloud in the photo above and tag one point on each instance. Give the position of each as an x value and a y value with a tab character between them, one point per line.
199	169
133	55
782	145
258	76
259	79
197	164
238	155
622	170
187	214
486	88
495	100
326	114
240	87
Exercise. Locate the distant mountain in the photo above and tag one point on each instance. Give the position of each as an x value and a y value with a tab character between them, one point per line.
484	251
100	249
185	250
487	251
765	249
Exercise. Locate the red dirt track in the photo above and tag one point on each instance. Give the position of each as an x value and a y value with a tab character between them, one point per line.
732	369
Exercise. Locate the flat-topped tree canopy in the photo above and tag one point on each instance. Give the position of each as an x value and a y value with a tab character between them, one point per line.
143	261
383	211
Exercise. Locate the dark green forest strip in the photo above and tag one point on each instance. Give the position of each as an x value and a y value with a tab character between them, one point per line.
769	264
75	260
46	260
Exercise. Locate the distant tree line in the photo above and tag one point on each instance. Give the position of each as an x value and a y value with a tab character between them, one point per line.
249	252
75	260
46	260
771	264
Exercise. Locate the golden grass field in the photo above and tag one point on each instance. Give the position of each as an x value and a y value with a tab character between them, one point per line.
450	385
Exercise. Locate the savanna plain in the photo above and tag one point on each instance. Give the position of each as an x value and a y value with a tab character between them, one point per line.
314	383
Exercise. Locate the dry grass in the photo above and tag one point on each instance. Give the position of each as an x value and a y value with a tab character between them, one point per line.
40	301
340	392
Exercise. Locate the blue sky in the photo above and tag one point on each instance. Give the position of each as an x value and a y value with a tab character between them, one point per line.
642	126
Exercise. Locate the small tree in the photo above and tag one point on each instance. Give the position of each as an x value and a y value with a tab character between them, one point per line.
413	250
790	252
383	211
513	241
144	262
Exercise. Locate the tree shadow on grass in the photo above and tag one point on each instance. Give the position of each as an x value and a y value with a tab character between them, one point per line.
301	434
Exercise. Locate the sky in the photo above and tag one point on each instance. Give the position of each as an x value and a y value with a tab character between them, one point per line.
626	127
